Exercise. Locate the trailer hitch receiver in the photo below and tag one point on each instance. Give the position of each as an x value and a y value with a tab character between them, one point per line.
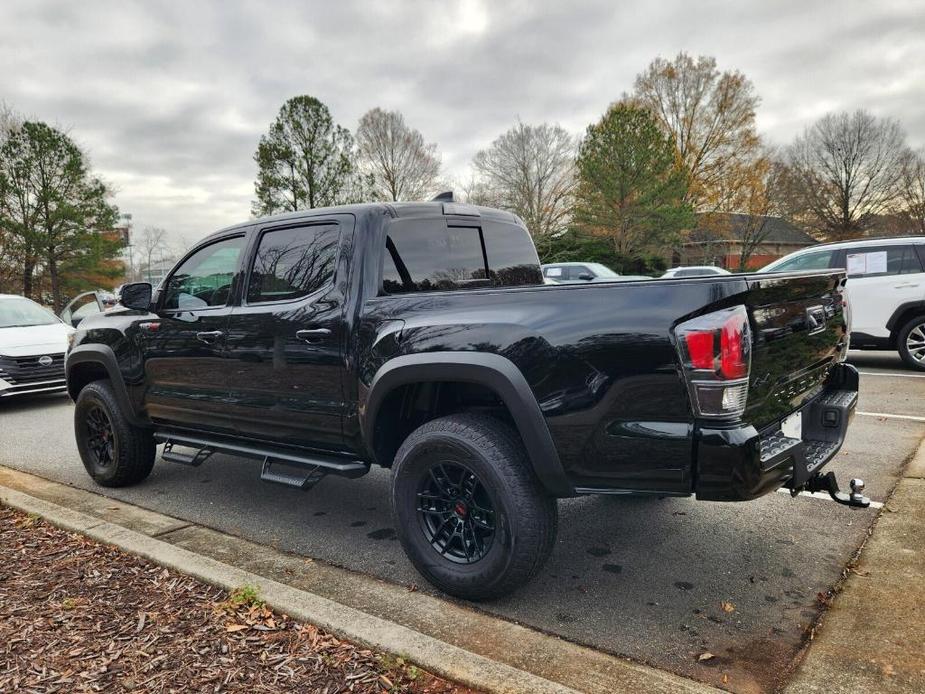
828	483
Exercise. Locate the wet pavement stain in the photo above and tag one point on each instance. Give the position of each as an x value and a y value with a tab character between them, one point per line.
683	585
382	534
598	551
357	524
612	568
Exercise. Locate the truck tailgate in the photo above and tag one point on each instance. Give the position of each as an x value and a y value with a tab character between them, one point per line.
800	333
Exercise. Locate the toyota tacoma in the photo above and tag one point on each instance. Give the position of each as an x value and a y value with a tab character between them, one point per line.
421	337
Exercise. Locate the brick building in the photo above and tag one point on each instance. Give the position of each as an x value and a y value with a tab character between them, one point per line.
718	240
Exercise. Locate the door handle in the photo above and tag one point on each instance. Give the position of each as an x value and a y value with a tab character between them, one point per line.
209	337
908	285
314	335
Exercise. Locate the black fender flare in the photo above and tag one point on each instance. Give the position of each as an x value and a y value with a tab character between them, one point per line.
490	370
893	323
102	355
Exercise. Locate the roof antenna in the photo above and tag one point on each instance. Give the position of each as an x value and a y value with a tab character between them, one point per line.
446	196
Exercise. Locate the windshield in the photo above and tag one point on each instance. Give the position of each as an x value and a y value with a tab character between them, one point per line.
19	312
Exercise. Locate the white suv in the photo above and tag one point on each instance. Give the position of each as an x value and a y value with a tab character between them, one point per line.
885	290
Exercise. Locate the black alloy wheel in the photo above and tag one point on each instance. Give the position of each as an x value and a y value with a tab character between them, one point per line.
456	513
468	509
100	437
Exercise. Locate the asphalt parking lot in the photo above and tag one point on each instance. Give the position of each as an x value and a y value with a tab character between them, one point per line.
642	578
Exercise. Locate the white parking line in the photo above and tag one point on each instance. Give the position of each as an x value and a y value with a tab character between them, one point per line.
886	415
825	497
891	374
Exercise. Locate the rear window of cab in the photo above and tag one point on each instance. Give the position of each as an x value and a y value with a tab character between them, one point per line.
424	255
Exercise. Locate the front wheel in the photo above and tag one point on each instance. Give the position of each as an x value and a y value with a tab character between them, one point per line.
114	452
469	511
911	343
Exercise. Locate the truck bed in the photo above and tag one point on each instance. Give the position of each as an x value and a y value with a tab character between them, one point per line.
602	362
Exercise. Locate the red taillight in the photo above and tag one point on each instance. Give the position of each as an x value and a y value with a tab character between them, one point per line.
715	351
732	361
700	348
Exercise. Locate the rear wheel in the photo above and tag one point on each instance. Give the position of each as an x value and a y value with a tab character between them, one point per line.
469	511
114	452
911	343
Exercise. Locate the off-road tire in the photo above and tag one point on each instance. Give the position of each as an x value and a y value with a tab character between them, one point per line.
917	325
132	450
525	516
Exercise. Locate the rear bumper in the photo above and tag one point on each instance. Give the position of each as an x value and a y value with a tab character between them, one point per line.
741	463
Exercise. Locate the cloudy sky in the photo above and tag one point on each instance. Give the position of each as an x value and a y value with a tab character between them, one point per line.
170	98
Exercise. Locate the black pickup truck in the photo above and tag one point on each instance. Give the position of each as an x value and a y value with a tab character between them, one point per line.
420	337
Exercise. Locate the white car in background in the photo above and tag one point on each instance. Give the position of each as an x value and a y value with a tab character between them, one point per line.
577	273
33	341
695	271
885	290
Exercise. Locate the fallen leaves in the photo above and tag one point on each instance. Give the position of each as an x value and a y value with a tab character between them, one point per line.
727	606
705	656
79	616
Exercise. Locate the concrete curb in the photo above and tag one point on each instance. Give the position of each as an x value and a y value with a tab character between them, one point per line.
916	467
432	654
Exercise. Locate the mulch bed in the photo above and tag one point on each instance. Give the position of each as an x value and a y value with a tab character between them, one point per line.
78	616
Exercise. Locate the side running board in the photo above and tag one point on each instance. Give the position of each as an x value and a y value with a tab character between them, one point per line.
195	460
300	477
300	469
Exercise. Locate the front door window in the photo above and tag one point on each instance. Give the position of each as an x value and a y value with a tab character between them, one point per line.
204	279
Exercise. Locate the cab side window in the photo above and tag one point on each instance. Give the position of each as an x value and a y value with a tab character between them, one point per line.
292	263
426	255
512	258
204	279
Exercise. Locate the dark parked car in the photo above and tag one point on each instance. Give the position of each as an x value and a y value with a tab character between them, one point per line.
420	337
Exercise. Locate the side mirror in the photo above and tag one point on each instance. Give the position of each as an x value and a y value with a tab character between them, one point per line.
136	295
586	276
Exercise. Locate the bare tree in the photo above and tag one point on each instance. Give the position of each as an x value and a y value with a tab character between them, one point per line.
710	116
847	170
531	168
754	197
912	189
152	246
401	165
477	191
9	119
